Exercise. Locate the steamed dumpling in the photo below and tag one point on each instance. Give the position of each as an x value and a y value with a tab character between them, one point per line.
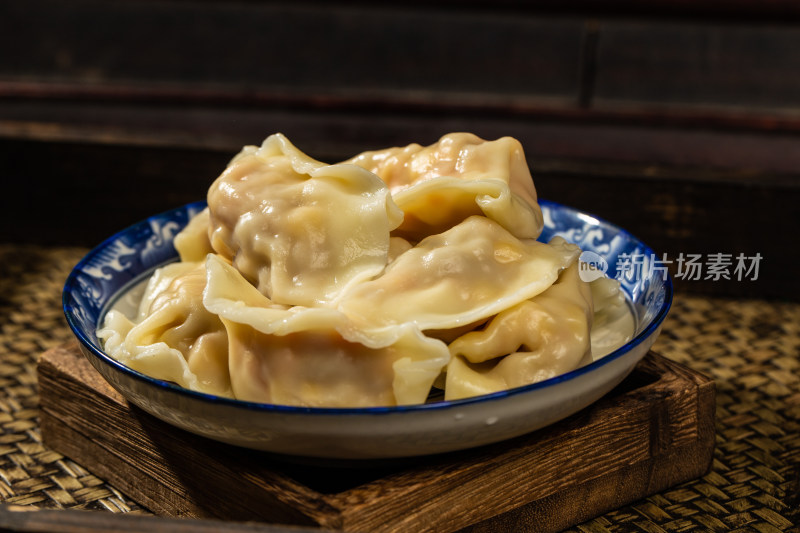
310	368
614	324
192	243
314	356
299	230
461	175
468	273
175	338
231	297
360	284
319	368
532	341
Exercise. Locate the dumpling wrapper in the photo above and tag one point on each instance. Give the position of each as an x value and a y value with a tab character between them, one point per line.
461	175
314	356
470	272
302	297
174	338
614	323
310	368
319	368
301	231
535	340
230	296
192	243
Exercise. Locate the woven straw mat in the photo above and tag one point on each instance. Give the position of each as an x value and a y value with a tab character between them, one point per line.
750	348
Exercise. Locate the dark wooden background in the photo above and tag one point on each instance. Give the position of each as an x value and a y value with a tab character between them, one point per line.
678	120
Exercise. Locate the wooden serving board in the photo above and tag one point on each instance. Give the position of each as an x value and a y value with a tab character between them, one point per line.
654	430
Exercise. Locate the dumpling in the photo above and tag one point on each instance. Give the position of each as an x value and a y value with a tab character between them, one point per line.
319	368
440	185
360	284
310	368
230	296
536	339
470	272
299	230
175	338
192	242
314	356
614	324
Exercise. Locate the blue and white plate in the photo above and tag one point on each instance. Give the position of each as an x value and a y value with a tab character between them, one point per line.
365	433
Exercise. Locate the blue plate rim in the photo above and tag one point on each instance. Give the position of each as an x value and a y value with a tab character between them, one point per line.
173	388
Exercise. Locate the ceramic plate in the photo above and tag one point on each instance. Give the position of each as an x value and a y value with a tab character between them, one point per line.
364	433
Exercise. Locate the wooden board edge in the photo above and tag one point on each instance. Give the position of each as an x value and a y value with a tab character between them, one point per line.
672	376
594	498
141	488
676	388
61	431
30	519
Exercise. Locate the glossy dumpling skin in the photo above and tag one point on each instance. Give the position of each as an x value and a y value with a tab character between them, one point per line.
319	368
614	323
314	356
193	243
461	175
358	284
534	340
174	337
300	230
309	368
468	273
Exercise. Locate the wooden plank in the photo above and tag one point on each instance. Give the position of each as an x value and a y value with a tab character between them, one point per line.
653	431
27	519
292	47
656	64
716	10
145	448
190	116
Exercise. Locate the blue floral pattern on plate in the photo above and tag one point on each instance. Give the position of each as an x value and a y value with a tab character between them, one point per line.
118	262
132	254
629	261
